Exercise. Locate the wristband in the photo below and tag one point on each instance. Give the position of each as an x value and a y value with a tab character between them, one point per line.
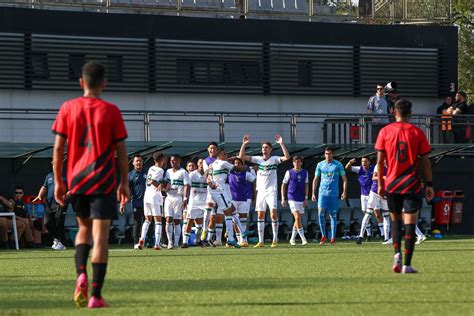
185	199
305	197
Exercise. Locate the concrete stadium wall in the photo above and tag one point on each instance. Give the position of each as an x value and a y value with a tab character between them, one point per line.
39	131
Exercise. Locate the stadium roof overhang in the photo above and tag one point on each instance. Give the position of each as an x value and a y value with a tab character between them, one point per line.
24	152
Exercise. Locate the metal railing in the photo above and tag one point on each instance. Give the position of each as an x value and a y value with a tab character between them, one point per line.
33	125
388	11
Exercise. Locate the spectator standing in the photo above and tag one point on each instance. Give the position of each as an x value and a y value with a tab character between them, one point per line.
391	96
446	111
55	214
137	182
378	105
459	127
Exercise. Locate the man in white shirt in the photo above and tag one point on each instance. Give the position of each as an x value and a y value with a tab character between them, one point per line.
197	203
218	187
153	200
267	186
176	199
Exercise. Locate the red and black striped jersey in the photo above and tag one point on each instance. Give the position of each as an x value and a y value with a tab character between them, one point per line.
91	127
403	144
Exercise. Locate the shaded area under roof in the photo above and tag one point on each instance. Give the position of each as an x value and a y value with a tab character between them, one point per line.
189	150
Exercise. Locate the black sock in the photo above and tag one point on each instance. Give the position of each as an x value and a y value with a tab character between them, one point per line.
99	270
396	229
409	243
82	253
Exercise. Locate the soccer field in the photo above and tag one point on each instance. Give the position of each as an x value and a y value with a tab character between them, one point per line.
342	279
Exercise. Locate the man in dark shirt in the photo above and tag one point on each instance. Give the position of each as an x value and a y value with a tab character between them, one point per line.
137	182
446	110
55	214
460	107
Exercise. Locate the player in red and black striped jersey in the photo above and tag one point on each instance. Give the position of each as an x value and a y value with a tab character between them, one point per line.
94	131
404	147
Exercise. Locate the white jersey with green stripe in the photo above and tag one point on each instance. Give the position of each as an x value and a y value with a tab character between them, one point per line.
177	180
219	171
267	173
152	195
198	186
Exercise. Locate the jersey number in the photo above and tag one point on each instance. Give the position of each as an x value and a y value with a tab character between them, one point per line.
85	139
402	152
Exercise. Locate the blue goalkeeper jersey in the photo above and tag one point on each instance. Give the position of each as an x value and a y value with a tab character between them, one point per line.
329	173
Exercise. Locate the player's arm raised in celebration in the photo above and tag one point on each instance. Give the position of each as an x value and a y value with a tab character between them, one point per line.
350	163
58	154
286	154
242	155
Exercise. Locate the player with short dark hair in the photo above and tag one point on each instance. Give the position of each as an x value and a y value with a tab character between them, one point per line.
94	131
404	147
329	170
296	180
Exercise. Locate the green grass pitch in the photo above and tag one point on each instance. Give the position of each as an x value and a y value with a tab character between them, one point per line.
344	279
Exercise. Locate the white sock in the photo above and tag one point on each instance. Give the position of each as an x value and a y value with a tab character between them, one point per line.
243	221
186	237
157	234
301	233
219	228
169	232
386	227
210	234
206	217
418	232
293	233
229	226
364	224
177	234
261	229
275	230
236	220
145	226
185	223
369	231
198	232
381	229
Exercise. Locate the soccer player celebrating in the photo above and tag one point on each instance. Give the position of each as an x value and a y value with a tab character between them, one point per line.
176	199
266	184
296	180
153	200
219	189
404	147
364	175
94	131
209	218
329	170
197	203
238	183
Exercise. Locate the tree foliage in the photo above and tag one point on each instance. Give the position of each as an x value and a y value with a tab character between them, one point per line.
464	19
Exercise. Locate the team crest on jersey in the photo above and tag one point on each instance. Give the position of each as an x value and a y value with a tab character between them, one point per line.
298	177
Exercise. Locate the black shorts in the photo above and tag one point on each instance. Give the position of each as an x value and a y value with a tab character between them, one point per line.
407	203
95	206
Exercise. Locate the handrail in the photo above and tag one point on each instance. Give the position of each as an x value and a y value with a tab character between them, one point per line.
335	128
